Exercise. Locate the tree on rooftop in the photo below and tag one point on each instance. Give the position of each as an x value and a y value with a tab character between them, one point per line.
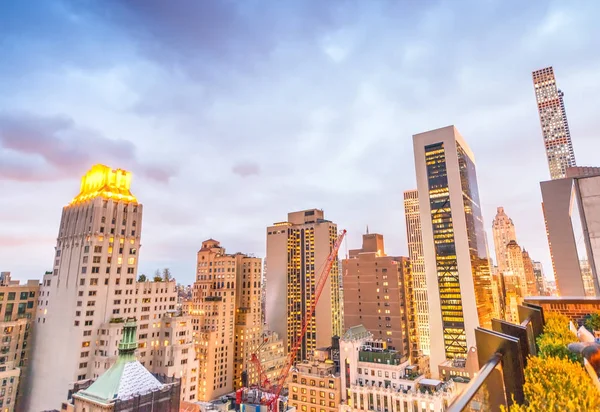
166	274
142	278
157	276
555	384
592	322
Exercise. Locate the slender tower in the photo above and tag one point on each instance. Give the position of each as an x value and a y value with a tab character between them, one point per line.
415	253
553	120
456	261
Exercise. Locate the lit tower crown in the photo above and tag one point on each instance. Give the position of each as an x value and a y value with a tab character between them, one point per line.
102	181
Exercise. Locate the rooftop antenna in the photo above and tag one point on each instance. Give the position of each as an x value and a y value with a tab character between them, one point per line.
367	229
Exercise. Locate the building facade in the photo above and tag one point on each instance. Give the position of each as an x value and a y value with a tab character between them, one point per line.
92	286
127	385
226	312
417	260
553	120
456	262
503	230
314	385
18	306
378	294
570	206
375	378
532	289
272	358
297	250
540	280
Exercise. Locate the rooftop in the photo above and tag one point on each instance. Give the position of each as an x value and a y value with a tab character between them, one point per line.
357	333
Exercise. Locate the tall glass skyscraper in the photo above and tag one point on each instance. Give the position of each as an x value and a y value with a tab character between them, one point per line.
456	261
553	119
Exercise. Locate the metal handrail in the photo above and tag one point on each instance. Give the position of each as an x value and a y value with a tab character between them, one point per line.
473	387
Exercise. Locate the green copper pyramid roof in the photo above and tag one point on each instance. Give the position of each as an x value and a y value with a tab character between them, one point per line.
126	377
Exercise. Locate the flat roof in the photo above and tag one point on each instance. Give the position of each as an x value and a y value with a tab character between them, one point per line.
432	382
565	299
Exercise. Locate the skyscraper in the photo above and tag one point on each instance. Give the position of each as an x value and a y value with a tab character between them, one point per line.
503	230
415	253
297	250
570	209
227	306
456	262
92	286
532	289
553	120
378	294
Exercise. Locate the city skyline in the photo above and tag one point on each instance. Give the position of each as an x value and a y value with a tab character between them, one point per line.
370	112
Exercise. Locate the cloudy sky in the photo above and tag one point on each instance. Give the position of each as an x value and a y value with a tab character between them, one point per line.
232	113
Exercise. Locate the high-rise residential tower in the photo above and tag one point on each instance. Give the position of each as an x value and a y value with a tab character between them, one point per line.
415	253
227	315
503	230
456	262
378	294
553	120
297	250
91	288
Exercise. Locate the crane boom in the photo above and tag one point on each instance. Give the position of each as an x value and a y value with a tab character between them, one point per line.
309	316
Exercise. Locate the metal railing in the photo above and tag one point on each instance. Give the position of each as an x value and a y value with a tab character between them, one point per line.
475	397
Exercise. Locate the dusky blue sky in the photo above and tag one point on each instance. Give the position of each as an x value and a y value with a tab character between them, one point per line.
232	113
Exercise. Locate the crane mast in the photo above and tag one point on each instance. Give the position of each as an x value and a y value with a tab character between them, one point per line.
276	389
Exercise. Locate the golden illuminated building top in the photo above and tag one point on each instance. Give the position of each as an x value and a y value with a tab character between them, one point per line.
102	181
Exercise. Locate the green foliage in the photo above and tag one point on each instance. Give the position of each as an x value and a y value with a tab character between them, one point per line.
592	322
556	337
142	278
167	274
157	279
555	384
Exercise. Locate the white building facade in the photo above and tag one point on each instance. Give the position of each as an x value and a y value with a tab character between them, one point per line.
374	379
91	289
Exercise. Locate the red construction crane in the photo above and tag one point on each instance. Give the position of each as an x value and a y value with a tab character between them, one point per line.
276	389
263	380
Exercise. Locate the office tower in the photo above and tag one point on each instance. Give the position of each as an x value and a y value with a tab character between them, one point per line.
570	206
227	312
538	271
375	378
503	231
297	251
91	288
18	305
456	262
553	120
127	385
532	289
415	253
378	294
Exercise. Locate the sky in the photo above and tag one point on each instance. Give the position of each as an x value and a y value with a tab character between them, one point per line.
230	114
